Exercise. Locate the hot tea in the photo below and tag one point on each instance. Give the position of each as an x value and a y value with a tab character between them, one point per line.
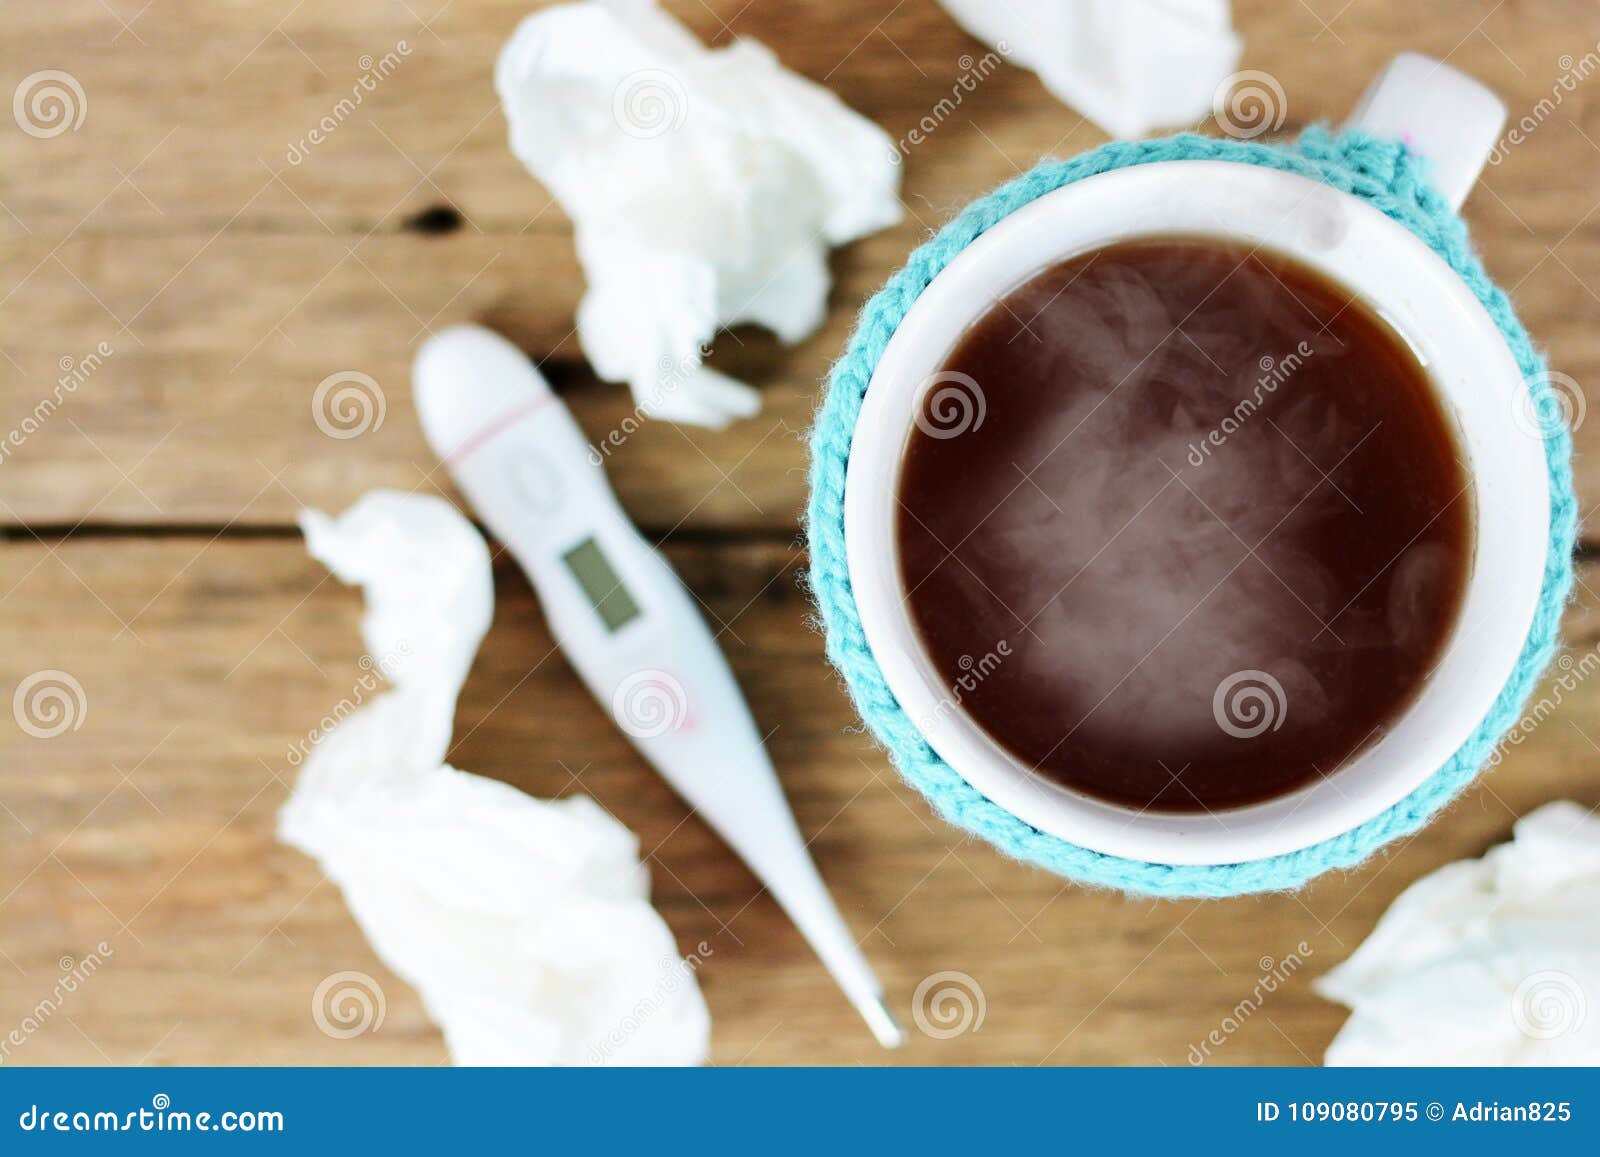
1183	525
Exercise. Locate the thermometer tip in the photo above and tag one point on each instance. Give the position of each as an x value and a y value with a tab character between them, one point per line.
881	1020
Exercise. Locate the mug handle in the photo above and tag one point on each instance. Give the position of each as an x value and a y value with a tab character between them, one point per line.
1442	114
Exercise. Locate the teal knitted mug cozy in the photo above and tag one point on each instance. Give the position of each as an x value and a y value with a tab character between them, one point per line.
1388	176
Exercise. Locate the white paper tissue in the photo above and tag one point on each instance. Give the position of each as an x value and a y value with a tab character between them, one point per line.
1130	66
704	186
525	925
1485	962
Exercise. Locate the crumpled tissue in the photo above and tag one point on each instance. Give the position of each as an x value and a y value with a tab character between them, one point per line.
1130	66
1493	961
704	186
524	924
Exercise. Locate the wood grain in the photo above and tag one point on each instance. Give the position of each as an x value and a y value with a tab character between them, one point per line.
151	828
231	282
145	545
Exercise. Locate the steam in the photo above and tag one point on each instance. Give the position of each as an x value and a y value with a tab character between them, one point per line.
1146	559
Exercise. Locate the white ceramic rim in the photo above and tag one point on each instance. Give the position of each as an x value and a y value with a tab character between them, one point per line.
1403	280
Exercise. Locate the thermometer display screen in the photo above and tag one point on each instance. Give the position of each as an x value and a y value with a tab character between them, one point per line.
597	577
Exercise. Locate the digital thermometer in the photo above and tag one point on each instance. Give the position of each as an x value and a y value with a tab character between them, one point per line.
625	621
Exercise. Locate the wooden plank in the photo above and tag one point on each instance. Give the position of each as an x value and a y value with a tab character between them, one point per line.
178	420
240	85
205	411
151	828
230	281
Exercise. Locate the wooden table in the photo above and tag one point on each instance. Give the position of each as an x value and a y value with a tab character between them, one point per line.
149	546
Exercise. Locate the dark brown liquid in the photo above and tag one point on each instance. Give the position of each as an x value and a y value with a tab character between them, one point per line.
1203	538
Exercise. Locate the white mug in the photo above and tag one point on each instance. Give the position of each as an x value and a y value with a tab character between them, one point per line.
1454	122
